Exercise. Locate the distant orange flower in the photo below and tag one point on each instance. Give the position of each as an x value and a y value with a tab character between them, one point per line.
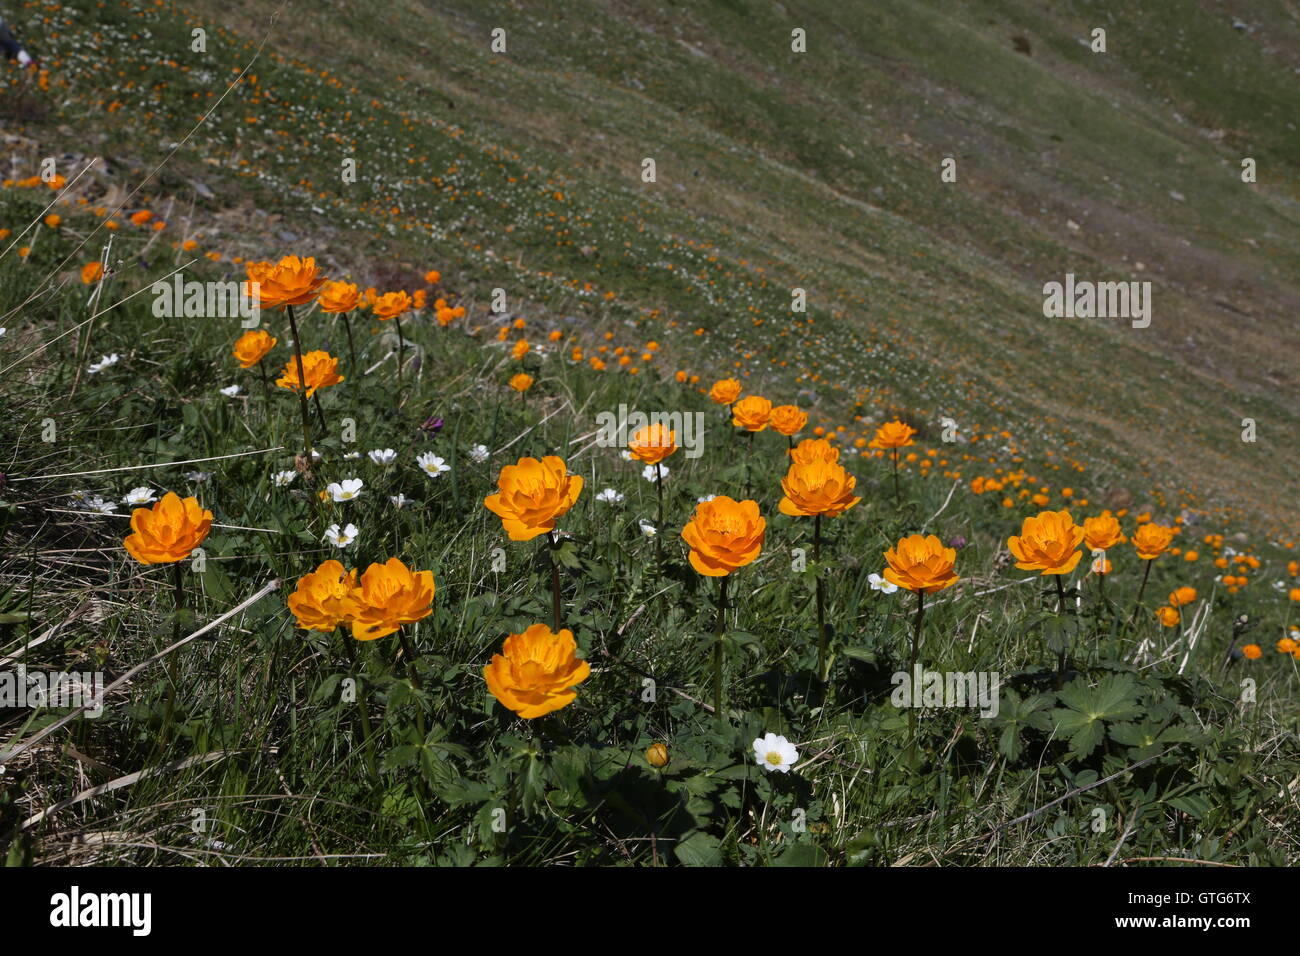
725	391
520	349
1182	596
1251	652
653	443
521	382
921	563
1168	616
893	434
251	348
141	217
91	272
752	413
814	449
319	368
291	281
1151	540
433	277
788	419
339	297
53	220
1047	543
391	305
169	531
1102	532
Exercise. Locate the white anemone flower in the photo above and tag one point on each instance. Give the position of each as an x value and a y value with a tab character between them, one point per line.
140	496
383	456
341	538
883	585
432	465
774	752
610	496
349	489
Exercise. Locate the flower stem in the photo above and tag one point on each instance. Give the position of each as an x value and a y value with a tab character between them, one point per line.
823	662
555	583
1141	590
659	528
399	350
364	708
302	385
717	649
897	498
352	350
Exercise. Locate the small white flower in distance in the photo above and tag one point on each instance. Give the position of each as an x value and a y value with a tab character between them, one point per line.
706	498
351	455
479	454
610	496
883	585
3	330
346	490
79	497
284	478
651	472
627	455
315	455
97	503
139	496
399	500
230	391
774	752
341	538
106	361
383	456
432	465
647	528
198	477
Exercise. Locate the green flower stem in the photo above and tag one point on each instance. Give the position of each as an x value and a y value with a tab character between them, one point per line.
718	628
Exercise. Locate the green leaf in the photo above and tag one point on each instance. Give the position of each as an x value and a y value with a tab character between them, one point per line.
803	854
699	849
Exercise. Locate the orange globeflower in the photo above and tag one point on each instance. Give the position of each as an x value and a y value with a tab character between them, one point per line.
433	277
1168	616
893	435
751	413
521	382
1251	652
338	297
653	443
168	531
536	671
532	495
390	305
1102	532
91	272
251	348
921	563
725	391
1048	543
319	368
817	488
520	349
325	598
53	220
1151	540
724	535
814	449
1182	596
291	281
391	595
788	419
